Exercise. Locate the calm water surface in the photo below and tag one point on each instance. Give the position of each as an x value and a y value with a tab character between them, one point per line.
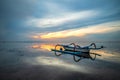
35	61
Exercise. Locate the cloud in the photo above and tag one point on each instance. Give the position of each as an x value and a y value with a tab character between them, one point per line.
52	15
61	19
52	61
79	32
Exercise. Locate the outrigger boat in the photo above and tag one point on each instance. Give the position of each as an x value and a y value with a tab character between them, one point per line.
76	51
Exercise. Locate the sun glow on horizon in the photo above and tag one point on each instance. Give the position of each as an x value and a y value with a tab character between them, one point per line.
35	37
78	32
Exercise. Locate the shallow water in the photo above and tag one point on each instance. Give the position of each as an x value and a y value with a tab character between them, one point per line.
35	61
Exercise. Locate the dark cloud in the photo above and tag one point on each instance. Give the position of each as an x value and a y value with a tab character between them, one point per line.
11	12
16	8
86	5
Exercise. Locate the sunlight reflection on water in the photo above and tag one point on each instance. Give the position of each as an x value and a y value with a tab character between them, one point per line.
106	55
31	59
43	46
52	61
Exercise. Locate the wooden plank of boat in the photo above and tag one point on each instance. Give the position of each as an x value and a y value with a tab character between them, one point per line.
76	49
66	52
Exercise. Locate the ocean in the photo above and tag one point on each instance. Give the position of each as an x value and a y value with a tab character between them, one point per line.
36	61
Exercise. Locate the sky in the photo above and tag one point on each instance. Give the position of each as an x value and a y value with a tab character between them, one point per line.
59	20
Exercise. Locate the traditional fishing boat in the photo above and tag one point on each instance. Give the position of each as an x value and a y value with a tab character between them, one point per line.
76	51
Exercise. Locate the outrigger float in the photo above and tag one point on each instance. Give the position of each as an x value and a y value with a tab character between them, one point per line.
77	51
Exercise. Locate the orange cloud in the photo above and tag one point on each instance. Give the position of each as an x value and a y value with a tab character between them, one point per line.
35	37
79	32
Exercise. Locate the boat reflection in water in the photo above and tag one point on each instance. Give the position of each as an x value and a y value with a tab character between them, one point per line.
105	55
102	64
51	60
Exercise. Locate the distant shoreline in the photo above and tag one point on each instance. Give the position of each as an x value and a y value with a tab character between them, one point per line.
55	41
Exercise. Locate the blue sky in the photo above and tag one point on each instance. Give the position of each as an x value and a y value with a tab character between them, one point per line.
59	20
